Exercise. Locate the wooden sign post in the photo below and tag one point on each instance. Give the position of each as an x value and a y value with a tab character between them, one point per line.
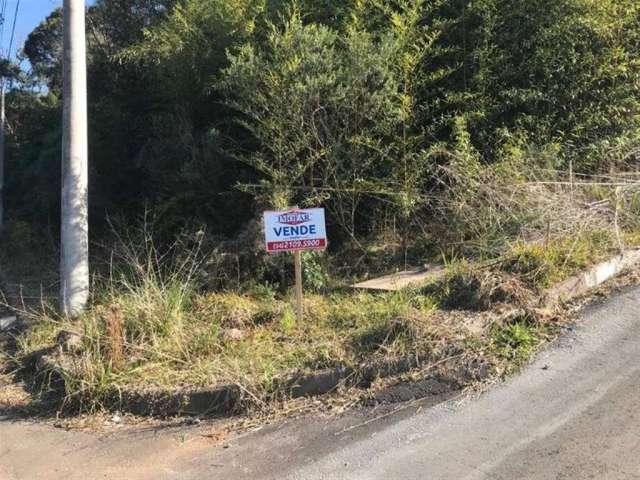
297	259
295	231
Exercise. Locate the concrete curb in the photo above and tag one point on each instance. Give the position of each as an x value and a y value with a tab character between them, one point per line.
207	401
228	399
319	383
595	276
7	323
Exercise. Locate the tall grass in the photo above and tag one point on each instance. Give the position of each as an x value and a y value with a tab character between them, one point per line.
151	324
481	210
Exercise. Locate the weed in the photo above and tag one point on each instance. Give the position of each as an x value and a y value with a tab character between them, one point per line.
114	335
459	290
389	334
517	341
288	321
316	277
542	265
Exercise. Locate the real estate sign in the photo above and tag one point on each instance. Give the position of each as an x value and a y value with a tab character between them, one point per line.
295	230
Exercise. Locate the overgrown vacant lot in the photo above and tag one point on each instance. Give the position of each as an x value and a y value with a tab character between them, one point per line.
499	140
150	328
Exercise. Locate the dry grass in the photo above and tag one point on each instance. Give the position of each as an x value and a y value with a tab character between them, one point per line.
154	333
151	325
480	210
344	329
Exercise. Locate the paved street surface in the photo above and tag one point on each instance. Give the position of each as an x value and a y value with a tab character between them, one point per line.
573	414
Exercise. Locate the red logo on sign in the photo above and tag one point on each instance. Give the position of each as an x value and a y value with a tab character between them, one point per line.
294	217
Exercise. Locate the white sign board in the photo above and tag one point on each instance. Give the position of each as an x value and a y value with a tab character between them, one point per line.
295	230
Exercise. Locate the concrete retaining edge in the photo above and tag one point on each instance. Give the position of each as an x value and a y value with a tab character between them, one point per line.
581	284
227	399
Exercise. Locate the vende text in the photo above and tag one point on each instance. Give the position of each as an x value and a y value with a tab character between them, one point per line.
295	231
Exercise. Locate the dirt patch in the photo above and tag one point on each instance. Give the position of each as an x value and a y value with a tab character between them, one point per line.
14	398
435	383
436	388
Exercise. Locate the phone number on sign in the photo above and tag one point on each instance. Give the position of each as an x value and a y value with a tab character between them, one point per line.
287	245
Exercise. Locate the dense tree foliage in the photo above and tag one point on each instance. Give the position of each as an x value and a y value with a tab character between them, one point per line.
207	110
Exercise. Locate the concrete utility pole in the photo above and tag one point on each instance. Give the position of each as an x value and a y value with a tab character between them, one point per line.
74	261
3	121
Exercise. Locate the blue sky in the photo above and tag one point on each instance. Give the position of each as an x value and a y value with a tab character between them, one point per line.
30	14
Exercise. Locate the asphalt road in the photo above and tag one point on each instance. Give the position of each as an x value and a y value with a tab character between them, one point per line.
573	414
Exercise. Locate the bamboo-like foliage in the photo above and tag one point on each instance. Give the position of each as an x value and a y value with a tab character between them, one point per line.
356	105
334	113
